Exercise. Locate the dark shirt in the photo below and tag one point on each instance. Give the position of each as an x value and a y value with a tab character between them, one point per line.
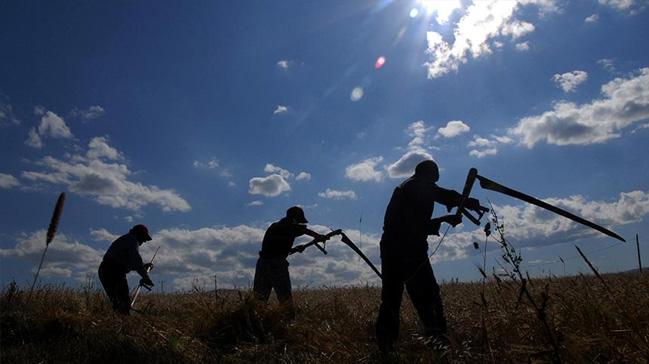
279	238
407	221
125	252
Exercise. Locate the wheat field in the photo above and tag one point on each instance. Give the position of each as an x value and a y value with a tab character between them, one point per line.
592	320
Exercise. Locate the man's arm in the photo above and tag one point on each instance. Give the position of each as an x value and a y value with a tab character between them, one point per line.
435	224
318	238
138	264
451	199
315	235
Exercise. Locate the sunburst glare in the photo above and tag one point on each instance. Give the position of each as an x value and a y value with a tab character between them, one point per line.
442	8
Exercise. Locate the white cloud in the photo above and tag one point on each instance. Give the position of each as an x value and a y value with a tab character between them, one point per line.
619	4
195	256
64	255
303	176
592	19
528	225
255	203
283	64
483	147
483	152
481	24
6	114
607	64
281	109
96	175
99	148
8	181
517	29
453	129
230	253
33	140
503	139
270	186
625	101
522	47
416	153
39	110
365	171
270	168
276	183
211	163
54	271
405	166
640	127
53	126
570	80
417	131
103	235
338	195
90	113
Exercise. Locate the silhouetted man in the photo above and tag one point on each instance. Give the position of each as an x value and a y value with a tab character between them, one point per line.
271	271
404	253
122	257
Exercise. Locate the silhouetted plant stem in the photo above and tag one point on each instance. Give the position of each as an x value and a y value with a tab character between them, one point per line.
514	259
40	265
51	232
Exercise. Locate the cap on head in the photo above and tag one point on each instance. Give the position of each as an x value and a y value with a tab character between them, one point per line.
296	213
141	232
427	169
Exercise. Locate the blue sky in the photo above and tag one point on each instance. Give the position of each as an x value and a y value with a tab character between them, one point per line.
206	120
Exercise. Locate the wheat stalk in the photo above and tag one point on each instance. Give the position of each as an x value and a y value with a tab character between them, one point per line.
51	231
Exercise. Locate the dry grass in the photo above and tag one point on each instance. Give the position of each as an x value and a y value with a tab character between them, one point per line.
591	324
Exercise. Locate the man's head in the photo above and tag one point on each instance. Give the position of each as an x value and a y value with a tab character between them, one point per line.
141	233
428	170
296	214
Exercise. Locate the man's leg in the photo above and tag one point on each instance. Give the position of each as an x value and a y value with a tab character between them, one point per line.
424	293
123	295
281	281
108	279
116	287
387	324
262	284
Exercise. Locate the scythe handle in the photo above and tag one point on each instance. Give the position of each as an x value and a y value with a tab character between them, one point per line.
468	185
136	293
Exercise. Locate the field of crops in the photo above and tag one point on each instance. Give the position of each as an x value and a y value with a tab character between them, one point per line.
590	319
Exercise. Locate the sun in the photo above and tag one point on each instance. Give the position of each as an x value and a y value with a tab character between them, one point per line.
443	8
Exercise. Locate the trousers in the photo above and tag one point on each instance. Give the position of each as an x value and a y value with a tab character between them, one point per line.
113	279
272	273
416	274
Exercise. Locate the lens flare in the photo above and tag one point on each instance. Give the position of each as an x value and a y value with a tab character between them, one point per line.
414	12
357	94
379	62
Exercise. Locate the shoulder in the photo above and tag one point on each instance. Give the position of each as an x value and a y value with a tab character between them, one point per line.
130	240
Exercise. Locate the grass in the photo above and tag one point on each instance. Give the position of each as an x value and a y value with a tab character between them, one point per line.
591	322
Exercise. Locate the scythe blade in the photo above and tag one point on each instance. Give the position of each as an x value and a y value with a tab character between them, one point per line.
494	186
345	239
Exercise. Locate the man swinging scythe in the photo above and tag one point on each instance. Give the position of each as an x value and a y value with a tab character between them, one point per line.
404	252
271	271
404	248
